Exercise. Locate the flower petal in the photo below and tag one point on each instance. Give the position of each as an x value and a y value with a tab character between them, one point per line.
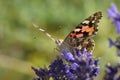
68	56
111	43
114	8
117	23
111	14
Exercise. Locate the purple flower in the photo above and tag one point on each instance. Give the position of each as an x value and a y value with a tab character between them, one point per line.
114	14
68	56
111	43
74	66
112	72
78	65
57	69
116	44
43	74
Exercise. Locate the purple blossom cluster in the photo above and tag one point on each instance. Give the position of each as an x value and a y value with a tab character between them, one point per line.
70	66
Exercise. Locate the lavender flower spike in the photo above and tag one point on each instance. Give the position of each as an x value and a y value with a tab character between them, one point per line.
115	44
114	14
78	65
112	72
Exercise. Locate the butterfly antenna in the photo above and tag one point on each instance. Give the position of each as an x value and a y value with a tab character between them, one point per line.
42	30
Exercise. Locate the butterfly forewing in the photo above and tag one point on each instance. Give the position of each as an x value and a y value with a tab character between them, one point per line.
80	37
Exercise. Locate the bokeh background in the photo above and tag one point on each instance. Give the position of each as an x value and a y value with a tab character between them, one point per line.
23	46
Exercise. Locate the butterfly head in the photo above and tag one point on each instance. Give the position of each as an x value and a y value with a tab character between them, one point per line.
59	42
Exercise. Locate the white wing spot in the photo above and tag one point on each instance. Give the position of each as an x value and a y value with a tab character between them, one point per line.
93	21
85	22
77	30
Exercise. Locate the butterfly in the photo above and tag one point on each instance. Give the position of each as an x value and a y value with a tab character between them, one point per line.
80	37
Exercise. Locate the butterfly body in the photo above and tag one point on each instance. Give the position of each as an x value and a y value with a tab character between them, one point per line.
81	36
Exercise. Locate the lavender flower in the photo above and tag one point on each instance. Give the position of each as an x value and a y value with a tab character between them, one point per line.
115	15
42	73
112	72
116	44
70	66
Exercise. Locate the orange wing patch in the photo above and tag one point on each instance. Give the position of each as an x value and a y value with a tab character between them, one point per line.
72	34
88	29
79	35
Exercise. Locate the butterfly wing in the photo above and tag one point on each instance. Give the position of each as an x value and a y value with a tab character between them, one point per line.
80	36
